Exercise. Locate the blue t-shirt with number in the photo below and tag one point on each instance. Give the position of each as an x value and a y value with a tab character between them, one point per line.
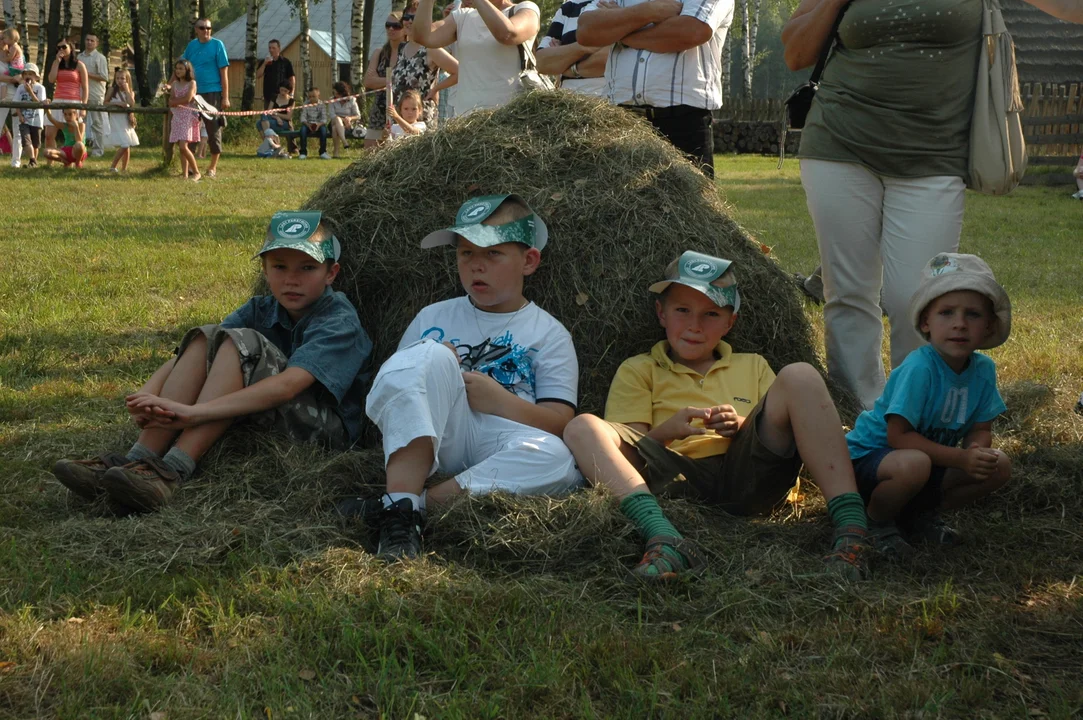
938	402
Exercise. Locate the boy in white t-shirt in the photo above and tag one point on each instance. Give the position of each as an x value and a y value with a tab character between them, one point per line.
32	121
481	386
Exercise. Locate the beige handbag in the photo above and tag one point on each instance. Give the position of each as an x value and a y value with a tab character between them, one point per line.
998	154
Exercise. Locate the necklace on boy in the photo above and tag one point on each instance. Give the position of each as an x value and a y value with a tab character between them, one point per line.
488	341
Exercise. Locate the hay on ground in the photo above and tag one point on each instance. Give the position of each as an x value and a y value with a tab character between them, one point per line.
620	203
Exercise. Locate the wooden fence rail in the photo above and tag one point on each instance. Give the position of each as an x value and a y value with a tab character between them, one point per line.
167	147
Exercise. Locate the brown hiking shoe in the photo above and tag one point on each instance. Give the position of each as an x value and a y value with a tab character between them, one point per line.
143	486
84	477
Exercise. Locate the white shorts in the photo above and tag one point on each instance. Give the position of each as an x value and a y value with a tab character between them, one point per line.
419	392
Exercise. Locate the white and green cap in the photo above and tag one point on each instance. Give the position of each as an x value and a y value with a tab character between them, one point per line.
529	231
297	230
714	277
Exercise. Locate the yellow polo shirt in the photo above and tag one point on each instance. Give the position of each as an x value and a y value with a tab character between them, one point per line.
651	388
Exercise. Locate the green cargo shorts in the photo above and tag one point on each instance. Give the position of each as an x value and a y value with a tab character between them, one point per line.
311	417
749	479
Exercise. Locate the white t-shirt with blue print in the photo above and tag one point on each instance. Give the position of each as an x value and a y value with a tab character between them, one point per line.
939	403
530	353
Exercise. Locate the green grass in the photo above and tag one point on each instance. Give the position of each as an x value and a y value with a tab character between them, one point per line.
247	599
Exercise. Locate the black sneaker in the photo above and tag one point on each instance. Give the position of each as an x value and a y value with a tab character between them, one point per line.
888	541
931	529
400	532
367	510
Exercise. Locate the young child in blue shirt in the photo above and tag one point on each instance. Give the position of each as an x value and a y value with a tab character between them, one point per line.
926	445
293	361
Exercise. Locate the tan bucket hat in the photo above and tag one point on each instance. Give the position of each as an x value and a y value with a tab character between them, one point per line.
948	272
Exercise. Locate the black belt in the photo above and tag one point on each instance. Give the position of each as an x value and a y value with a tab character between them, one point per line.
662	113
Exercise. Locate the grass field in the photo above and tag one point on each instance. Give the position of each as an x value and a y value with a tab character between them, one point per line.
248	599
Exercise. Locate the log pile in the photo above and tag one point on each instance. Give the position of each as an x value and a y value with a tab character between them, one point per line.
738	136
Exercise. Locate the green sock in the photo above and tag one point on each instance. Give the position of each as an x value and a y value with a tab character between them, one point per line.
848	510
643	510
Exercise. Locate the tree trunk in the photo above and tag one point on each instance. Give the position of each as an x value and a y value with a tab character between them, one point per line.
52	38
137	51
43	42
105	18
366	39
751	26
65	19
201	9
23	33
171	47
251	57
727	62
88	22
334	41
357	43
9	18
193	15
306	55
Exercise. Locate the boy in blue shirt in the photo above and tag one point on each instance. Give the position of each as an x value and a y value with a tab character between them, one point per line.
292	361
926	443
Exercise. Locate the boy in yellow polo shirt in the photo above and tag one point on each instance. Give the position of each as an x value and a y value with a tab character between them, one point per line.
694	419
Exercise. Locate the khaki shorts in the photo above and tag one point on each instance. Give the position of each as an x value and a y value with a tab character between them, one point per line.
749	479
311	417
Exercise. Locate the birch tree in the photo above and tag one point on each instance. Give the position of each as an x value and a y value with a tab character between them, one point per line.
306	54
251	54
9	19
88	22
24	35
105	19
193	16
751	26
357	43
65	19
334	41
42	35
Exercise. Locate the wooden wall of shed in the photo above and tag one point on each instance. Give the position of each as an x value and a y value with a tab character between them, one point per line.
323	75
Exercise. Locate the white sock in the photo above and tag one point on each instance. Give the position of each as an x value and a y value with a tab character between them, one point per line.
424	498
391	498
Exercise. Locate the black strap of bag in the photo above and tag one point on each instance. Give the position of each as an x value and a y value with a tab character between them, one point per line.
800	100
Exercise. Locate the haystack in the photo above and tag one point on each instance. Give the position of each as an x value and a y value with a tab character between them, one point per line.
620	203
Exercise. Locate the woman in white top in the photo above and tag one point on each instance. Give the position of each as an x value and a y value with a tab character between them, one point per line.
487	37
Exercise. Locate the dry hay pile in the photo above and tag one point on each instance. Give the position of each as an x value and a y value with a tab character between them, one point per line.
620	203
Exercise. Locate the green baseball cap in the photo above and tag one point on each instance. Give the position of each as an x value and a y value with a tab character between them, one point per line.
529	231
297	230
714	277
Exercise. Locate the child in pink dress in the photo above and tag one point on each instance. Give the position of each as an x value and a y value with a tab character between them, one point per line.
185	122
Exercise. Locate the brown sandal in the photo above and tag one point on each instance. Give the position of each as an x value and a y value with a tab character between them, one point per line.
84	477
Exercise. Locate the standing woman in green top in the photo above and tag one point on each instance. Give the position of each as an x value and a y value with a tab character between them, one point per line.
884	156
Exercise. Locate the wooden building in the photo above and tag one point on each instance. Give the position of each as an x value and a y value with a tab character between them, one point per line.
278	20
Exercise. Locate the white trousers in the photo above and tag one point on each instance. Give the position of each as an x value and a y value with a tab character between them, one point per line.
419	392
97	123
875	233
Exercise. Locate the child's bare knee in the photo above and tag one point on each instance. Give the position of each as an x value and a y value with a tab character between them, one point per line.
581	430
911	466
801	374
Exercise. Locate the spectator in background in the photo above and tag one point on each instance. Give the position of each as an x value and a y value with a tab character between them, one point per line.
343	113
32	122
407	117
12	63
581	68
122	133
487	38
275	69
418	68
280	113
665	64
184	125
211	64
97	73
380	65
314	122
69	76
1078	175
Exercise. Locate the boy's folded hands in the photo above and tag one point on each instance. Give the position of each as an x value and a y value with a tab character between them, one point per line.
979	462
723	419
